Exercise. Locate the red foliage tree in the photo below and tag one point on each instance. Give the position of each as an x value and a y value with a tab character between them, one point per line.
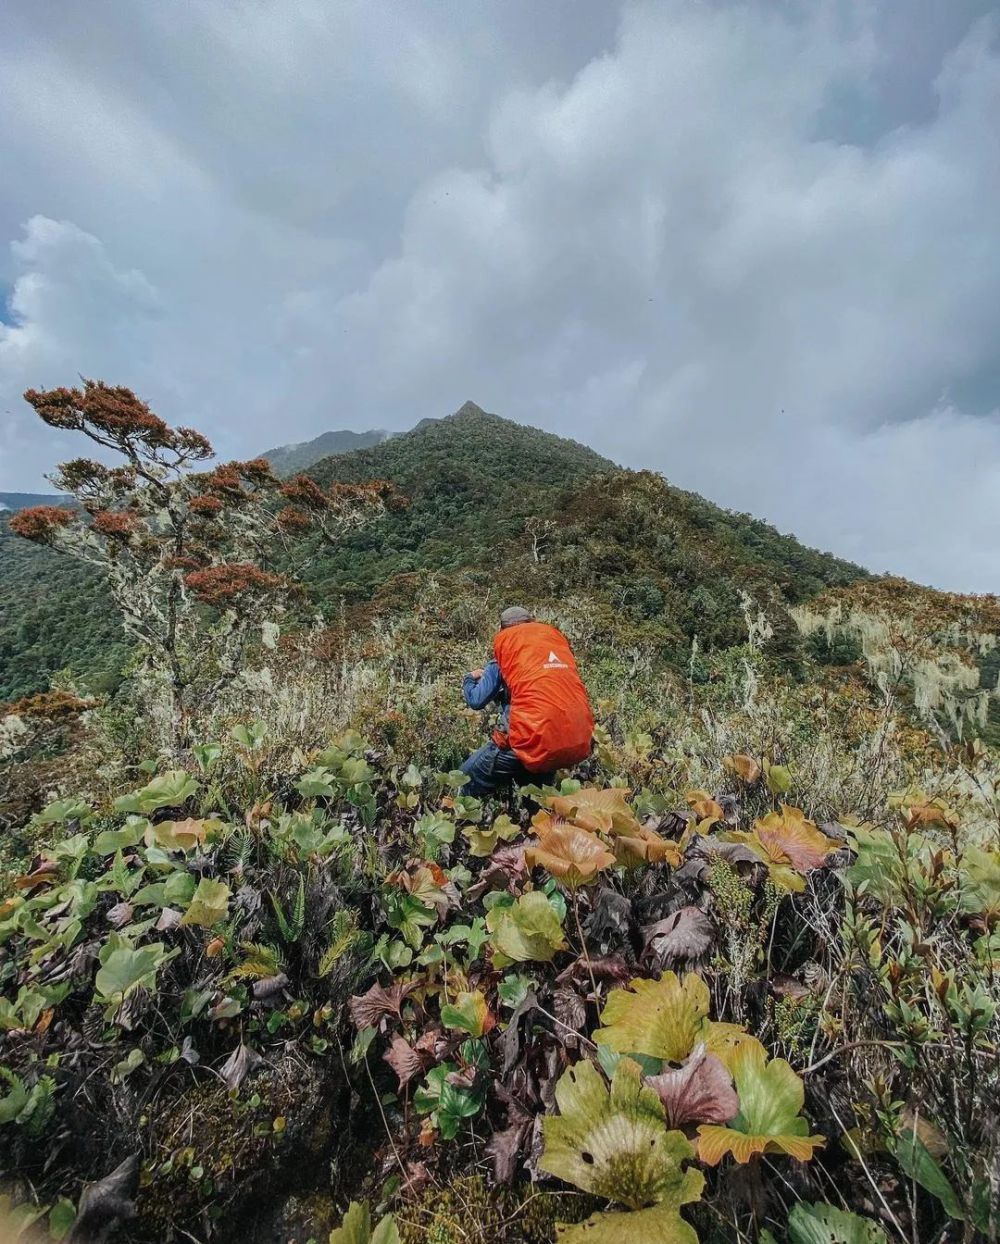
191	557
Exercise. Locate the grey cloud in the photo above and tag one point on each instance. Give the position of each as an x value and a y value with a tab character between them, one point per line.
752	245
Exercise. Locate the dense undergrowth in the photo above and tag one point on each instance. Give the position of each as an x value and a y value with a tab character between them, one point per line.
735	976
266	973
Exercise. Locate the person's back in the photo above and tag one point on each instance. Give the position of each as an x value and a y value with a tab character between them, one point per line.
547	723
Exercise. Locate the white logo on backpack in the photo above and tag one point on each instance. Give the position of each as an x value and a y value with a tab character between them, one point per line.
553	663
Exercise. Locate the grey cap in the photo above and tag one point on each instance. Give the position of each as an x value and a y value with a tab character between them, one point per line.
514	615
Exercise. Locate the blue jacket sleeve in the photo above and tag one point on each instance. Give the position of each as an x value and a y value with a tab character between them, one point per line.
479	693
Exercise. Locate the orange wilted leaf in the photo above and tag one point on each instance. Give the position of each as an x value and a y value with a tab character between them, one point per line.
789	844
799	841
645	845
572	854
215	947
179	835
930	813
744	767
596	809
704	806
543	821
43	875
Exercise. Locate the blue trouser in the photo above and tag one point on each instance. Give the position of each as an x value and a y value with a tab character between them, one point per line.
492	766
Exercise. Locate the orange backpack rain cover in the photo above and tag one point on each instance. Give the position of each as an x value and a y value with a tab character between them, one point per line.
551	725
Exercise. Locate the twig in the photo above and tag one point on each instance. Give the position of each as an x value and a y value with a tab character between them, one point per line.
844	1049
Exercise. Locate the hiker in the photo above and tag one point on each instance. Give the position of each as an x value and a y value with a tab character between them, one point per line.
545	719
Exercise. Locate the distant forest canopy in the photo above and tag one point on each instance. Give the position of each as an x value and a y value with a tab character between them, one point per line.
291	459
25	500
497	508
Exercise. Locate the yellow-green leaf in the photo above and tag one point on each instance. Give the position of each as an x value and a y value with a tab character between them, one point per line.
771	1096
615	1143
528	930
469	1013
209	905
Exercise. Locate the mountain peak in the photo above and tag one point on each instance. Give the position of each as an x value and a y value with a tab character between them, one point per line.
469	408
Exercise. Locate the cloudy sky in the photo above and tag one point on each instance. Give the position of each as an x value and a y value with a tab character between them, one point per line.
754	245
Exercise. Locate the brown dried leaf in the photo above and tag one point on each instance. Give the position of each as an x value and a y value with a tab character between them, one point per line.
238	1066
417	1178
699	1091
731	852
604	968
106	1202
506	1147
570	1010
120	915
367	1009
406	1060
268	986
685	935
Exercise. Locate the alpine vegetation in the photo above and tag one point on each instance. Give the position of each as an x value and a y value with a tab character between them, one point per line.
354	901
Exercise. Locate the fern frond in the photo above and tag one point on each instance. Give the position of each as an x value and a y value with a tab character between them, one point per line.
299	915
344	935
261	961
284	926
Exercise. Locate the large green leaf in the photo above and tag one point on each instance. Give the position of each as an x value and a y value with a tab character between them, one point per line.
318	781
166	791
615	1143
175	890
483	841
527	930
469	1013
771	1096
209	905
447	1103
111	840
63	810
434	829
917	1161
980	881
664	1019
125	969
825	1224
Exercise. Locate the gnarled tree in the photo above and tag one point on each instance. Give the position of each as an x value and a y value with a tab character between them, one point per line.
197	561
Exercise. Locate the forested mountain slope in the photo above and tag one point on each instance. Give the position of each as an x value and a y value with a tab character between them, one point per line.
53	616
510	510
288	460
22	500
521	512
